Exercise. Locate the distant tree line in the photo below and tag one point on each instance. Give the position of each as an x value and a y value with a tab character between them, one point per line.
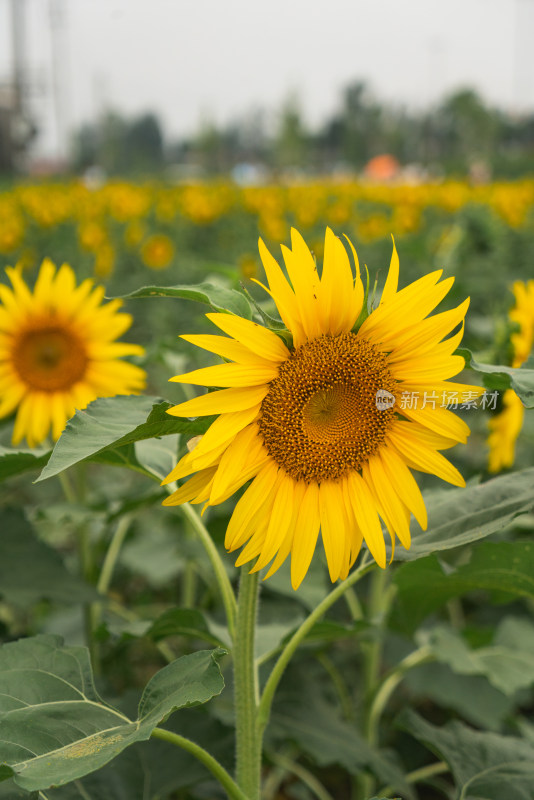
460	133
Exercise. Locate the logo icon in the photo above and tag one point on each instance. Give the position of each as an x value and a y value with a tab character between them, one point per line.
384	400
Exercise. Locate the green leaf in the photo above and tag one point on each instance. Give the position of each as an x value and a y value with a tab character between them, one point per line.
304	715
427	584
460	516
15	461
218	297
470	696
182	622
110	423
30	570
53	726
508	663
485	766
520	379
9	791
156	764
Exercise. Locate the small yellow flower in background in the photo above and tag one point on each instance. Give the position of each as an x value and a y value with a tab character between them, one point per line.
92	235
58	351
104	260
11	231
318	425
506	426
158	251
248	266
134	233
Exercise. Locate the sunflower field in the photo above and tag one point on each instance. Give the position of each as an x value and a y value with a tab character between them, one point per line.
303	568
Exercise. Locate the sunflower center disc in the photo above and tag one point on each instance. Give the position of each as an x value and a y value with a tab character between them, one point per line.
50	359
320	418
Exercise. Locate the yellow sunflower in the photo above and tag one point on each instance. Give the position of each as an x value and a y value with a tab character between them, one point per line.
318	421
58	351
158	251
506	426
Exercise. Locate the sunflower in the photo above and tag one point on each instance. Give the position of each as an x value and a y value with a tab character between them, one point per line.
316	418
506	426
158	251
58	351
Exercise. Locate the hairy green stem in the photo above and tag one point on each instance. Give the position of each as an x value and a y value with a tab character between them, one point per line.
217	770
248	736
287	653
225	587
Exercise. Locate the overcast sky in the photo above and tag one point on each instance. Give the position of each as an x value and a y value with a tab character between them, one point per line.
190	60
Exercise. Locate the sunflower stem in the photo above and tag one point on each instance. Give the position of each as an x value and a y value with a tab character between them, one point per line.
379	602
217	770
388	686
248	735
225	587
287	653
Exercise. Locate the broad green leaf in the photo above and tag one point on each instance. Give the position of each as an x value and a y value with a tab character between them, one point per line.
304	715
425	585
109	423
461	516
53	726
15	461
470	696
486	766
182	622
218	297
520	379
10	791
31	570
508	663
155	764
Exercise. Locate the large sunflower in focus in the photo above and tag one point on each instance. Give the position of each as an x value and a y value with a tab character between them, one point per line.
58	351
320	426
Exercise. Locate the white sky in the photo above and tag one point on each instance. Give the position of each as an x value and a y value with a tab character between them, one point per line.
192	59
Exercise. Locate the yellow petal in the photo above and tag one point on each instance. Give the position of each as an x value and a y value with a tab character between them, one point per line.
191	488
404	484
392	280
247	507
229	375
419	456
367	517
332	526
279	522
226	348
257	338
305	535
223	401
281	292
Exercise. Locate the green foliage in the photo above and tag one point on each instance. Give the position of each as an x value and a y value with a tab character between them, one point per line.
521	380
427	584
108	425
54	726
461	516
484	765
219	298
31	570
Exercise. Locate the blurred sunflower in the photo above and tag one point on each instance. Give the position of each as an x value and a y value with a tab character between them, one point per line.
157	251
317	423
58	351
506	426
